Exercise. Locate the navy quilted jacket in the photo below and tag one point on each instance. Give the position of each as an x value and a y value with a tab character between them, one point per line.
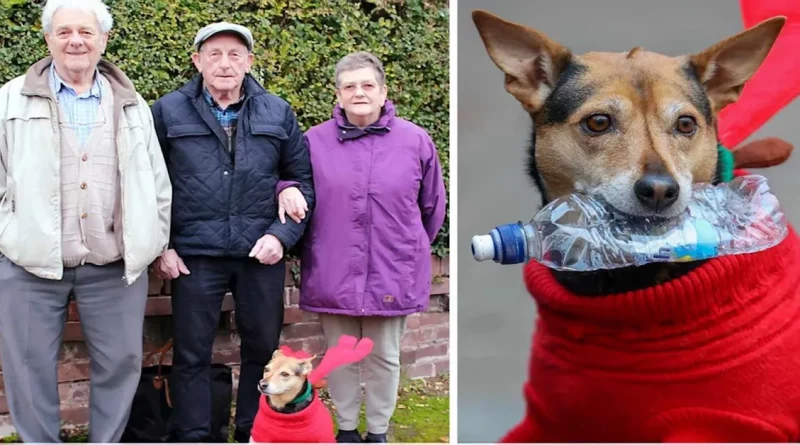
221	207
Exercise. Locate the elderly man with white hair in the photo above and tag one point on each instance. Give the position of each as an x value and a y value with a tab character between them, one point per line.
85	204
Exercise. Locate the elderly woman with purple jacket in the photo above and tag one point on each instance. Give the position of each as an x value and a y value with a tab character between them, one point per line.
365	261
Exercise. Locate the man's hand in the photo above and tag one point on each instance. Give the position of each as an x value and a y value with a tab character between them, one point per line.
292	202
268	250
170	266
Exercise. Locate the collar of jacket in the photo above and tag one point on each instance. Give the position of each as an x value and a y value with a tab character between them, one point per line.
194	88
349	131
37	80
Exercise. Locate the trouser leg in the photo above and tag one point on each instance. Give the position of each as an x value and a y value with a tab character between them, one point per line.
32	315
258	291
382	370
112	319
196	306
344	383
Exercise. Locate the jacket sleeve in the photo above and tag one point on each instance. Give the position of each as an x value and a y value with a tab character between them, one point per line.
432	195
163	185
294	165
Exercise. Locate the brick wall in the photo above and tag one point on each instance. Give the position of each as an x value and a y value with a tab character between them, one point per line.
425	343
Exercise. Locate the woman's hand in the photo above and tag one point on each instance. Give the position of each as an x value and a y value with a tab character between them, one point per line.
292	202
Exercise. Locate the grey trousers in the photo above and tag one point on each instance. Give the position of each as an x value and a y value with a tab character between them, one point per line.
32	315
382	368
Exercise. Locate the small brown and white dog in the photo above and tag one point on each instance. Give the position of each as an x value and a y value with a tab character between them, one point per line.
290	409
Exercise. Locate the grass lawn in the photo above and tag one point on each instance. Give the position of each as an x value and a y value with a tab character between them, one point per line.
422	414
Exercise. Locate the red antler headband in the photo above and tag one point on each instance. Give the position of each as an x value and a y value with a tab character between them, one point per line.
776	83
347	350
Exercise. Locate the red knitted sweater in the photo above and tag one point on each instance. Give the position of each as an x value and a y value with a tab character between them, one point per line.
311	425
712	356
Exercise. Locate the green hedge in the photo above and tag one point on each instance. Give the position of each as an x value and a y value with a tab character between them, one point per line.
297	45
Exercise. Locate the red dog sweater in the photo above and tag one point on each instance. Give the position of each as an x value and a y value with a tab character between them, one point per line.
311	425
713	356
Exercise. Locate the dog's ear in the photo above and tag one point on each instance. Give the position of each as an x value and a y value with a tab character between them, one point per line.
531	61
306	366
277	353
725	67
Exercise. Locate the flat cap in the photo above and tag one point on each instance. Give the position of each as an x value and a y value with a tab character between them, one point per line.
216	28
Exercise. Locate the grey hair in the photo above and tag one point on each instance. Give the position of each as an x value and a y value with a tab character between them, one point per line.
357	60
97	7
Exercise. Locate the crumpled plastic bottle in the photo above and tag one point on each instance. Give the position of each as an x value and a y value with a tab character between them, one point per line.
582	233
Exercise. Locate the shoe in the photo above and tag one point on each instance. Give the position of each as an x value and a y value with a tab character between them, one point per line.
241	436
375	438
348	436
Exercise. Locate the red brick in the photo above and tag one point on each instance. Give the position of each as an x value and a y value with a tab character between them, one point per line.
442	333
72	331
440	286
442	366
228	303
310	316
302	330
411	339
436	266
433	319
72	311
408	357
75	415
167	289
315	345
446	266
291	296
289	278
2	384
155	285
437	350
74	393
73	350
161	305
292	315
420	370
232	320
227	356
3	405
412	322
73	372
294	345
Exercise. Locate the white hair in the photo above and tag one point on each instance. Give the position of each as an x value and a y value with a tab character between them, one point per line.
97	7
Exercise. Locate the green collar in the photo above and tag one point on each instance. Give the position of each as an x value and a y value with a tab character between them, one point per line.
725	164
303	396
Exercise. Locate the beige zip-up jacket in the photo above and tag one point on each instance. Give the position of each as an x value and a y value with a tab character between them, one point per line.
30	198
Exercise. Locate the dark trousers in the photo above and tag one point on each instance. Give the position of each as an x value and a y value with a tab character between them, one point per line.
196	307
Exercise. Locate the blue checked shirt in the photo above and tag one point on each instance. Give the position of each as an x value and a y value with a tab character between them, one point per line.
81	112
228	117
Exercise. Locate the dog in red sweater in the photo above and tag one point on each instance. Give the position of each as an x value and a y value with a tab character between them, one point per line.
290	410
704	351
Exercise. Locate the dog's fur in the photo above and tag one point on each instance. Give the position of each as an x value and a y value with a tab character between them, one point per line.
610	124
283	380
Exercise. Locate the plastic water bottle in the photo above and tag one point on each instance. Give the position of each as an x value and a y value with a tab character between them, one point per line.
582	233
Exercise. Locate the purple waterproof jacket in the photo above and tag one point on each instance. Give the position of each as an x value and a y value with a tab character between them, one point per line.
380	202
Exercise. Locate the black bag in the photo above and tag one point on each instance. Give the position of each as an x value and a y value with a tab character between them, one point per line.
151	411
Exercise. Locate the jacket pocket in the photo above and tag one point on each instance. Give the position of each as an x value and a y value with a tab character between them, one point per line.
192	148
184	130
274	131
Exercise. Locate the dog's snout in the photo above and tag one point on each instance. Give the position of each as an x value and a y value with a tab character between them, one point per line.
657	191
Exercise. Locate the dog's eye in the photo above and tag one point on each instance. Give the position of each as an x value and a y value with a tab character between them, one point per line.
284	374
686	125
597	123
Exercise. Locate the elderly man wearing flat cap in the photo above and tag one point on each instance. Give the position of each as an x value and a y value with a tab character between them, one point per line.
226	141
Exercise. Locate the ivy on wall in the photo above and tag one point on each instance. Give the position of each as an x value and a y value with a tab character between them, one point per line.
298	43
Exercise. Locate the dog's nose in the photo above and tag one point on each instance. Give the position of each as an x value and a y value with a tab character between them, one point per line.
657	191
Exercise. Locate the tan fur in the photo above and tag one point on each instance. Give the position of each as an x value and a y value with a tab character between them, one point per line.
644	92
286	376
